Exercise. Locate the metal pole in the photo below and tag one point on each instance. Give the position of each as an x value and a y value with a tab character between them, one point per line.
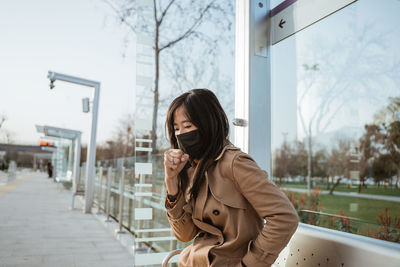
91	156
100	190
92	152
309	162
121	200
253	88
71	152
82	176
77	157
109	177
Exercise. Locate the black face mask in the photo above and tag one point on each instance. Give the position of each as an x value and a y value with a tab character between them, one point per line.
190	144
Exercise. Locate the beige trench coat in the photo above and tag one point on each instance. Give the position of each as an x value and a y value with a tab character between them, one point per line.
227	218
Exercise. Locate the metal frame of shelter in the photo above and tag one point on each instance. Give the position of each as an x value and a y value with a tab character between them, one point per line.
75	137
91	155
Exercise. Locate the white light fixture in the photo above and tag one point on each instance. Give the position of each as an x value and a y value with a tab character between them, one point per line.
86	105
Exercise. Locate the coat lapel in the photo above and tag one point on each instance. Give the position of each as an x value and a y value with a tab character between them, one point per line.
198	212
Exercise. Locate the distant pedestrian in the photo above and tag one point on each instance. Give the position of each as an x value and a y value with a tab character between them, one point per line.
50	169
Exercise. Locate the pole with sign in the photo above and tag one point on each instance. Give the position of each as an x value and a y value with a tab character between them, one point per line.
292	16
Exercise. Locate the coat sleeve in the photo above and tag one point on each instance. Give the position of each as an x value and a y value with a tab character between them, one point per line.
271	204
180	219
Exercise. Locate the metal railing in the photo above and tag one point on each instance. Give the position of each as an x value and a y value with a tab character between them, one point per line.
132	196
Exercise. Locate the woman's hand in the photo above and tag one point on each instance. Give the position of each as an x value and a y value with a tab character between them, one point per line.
174	161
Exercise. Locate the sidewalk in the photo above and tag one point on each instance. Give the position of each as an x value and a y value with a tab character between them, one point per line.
38	228
349	194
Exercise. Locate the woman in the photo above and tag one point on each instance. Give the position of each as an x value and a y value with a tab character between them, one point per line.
216	194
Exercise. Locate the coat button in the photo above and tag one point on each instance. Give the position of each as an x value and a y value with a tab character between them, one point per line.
216	212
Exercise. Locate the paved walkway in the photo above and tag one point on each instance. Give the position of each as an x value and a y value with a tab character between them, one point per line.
349	194
38	228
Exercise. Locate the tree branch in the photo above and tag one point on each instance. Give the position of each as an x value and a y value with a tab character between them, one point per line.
330	119
2	120
121	16
190	31
303	124
155	13
166	10
325	106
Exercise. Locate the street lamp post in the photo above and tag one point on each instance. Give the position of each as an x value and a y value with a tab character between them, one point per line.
91	156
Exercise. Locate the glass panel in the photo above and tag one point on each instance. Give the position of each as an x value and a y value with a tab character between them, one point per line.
336	117
180	58
202	58
64	163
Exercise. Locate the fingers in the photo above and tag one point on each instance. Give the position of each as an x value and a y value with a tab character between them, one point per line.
184	158
175	156
170	162
175	159
177	153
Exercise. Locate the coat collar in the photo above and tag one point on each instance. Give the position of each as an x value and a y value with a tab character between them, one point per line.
228	146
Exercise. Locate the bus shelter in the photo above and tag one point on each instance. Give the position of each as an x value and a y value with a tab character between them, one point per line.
67	152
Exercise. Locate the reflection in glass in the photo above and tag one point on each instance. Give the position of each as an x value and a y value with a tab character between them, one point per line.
188	44
336	117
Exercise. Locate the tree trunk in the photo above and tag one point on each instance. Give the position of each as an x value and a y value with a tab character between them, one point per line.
156	93
334	186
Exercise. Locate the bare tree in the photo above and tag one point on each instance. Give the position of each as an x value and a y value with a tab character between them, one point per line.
384	135
126	135
369	151
338	161
2	120
122	143
390	113
392	128
282	161
8	135
333	80
171	23
320	162
183	74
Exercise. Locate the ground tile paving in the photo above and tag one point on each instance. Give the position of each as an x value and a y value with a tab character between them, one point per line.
38	228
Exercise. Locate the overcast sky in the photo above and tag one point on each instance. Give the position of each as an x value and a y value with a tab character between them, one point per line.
81	38
339	33
74	37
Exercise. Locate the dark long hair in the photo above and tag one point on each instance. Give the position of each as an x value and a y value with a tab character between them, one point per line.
203	109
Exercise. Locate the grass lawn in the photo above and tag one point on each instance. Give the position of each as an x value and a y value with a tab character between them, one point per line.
373	190
363	219
368	209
